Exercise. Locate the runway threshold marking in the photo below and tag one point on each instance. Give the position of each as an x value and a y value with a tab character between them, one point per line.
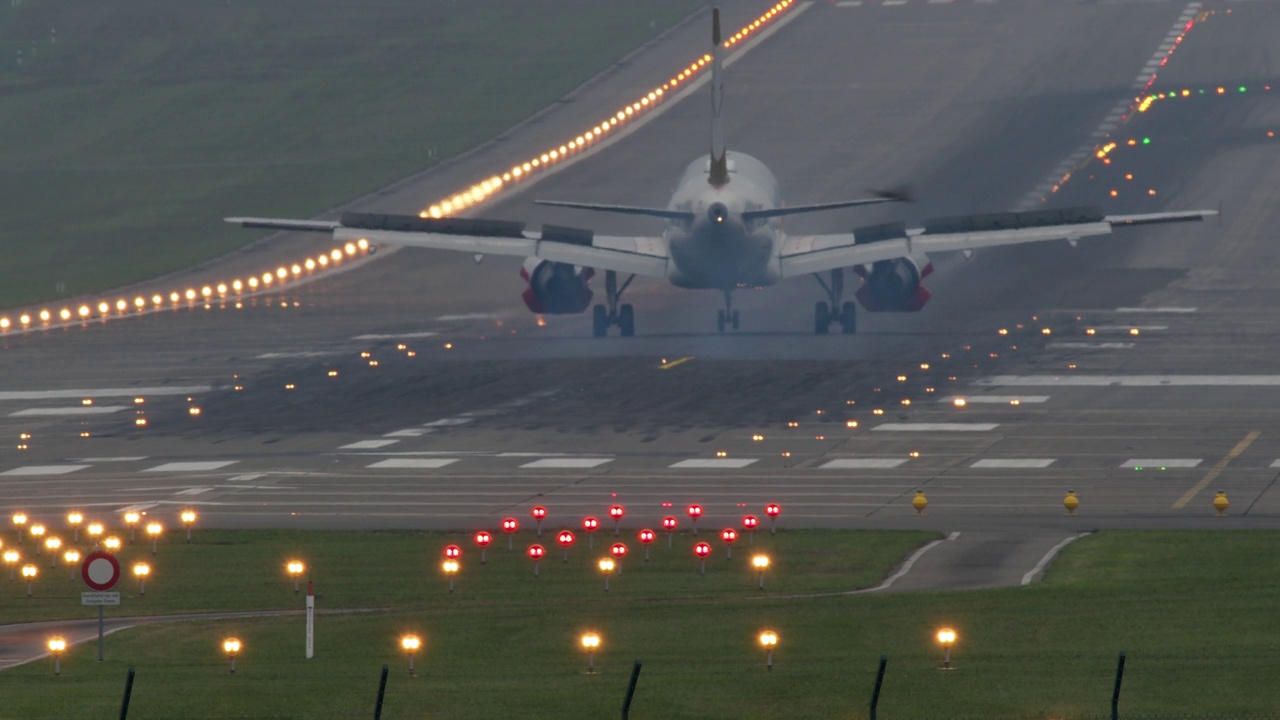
1217	469
673	363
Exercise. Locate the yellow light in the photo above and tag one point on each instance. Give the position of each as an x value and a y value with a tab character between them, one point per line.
946	636
4	323
53	544
451	567
350	248
173	297
188	517
760	562
94	529
132	518
959	402
590	641
410	643
71	557
190	294
141	569
157	299
30	571
74	518
37	530
237	286
231	646
323	260
154	529
25	319
1134	331
44	315
57	645
253	283
295	568
851	423
222	288
282	273
65	314
12	556
768	638
607	566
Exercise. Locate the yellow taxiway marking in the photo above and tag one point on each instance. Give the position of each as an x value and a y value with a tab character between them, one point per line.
1216	470
673	363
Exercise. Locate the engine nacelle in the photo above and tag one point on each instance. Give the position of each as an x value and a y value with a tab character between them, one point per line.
556	288
893	285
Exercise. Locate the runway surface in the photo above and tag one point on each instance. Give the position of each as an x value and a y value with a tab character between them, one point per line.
1137	370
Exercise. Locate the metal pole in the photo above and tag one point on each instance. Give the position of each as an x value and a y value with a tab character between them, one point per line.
382	691
875	693
128	691
100	633
631	690
311	620
1115	694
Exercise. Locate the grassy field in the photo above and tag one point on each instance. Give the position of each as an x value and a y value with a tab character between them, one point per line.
1194	611
135	126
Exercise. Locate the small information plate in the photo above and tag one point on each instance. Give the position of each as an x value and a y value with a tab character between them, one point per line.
99	598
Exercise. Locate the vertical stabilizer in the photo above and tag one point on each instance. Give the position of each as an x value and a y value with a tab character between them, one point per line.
719	174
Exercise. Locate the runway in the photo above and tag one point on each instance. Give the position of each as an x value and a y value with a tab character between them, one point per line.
417	391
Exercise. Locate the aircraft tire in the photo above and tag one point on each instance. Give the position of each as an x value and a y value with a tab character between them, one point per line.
599	321
734	321
720	321
849	318
821	318
626	321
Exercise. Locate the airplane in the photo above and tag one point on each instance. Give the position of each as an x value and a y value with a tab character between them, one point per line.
723	232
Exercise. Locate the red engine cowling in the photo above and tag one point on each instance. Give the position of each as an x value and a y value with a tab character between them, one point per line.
556	288
893	285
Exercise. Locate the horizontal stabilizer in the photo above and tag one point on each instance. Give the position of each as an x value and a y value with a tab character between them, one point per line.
621	209
750	215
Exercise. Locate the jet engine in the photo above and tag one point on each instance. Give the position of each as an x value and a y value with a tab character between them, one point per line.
556	288
893	285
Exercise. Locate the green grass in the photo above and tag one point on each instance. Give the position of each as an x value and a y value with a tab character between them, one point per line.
1194	611
127	139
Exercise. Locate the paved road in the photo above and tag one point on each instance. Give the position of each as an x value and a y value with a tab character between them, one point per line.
976	105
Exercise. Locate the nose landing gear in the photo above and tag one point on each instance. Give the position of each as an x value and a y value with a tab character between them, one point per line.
623	316
728	317
835	309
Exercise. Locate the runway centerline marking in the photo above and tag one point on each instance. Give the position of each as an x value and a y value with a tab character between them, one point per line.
1013	463
1130	381
936	427
1217	469
1161	463
714	463
367	444
862	464
102	392
31	470
73	410
412	463
673	363
567	463
196	466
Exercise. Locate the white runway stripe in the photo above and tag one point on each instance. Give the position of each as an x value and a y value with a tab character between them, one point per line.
401	336
1275	464
567	463
194	491
1131	381
119	458
937	427
368	444
1092	345
996	399
29	470
412	463
714	463
73	410
197	466
863	463
1013	463
1157	463
102	392
1182	310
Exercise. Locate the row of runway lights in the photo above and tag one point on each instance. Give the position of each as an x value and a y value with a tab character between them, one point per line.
219	291
51	317
556	154
95	532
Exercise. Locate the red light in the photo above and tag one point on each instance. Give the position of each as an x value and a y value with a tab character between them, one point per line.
694	511
669	523
702	549
536	552
590	524
616	512
728	535
453	552
483	538
510	525
565	538
538	512
646	536
773	510
618	550
750	522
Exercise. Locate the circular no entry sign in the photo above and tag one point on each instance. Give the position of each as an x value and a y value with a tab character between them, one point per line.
100	570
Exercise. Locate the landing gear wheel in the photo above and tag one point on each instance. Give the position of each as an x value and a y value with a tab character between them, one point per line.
599	321
626	321
720	321
849	318
734	320
821	318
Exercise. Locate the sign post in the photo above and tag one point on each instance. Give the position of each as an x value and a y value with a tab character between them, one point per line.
311	619
100	571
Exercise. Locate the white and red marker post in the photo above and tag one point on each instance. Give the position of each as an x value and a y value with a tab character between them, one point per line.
311	619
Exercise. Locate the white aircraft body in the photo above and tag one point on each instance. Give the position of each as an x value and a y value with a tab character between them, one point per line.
723	232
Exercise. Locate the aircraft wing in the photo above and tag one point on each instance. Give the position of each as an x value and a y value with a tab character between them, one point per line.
634	255
802	255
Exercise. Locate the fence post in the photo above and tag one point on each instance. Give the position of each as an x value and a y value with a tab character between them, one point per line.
875	694
631	690
128	691
1115	694
382	691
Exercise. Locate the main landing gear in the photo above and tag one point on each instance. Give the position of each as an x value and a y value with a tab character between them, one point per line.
624	316
825	313
728	317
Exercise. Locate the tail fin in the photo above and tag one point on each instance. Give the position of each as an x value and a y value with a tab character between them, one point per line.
719	175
